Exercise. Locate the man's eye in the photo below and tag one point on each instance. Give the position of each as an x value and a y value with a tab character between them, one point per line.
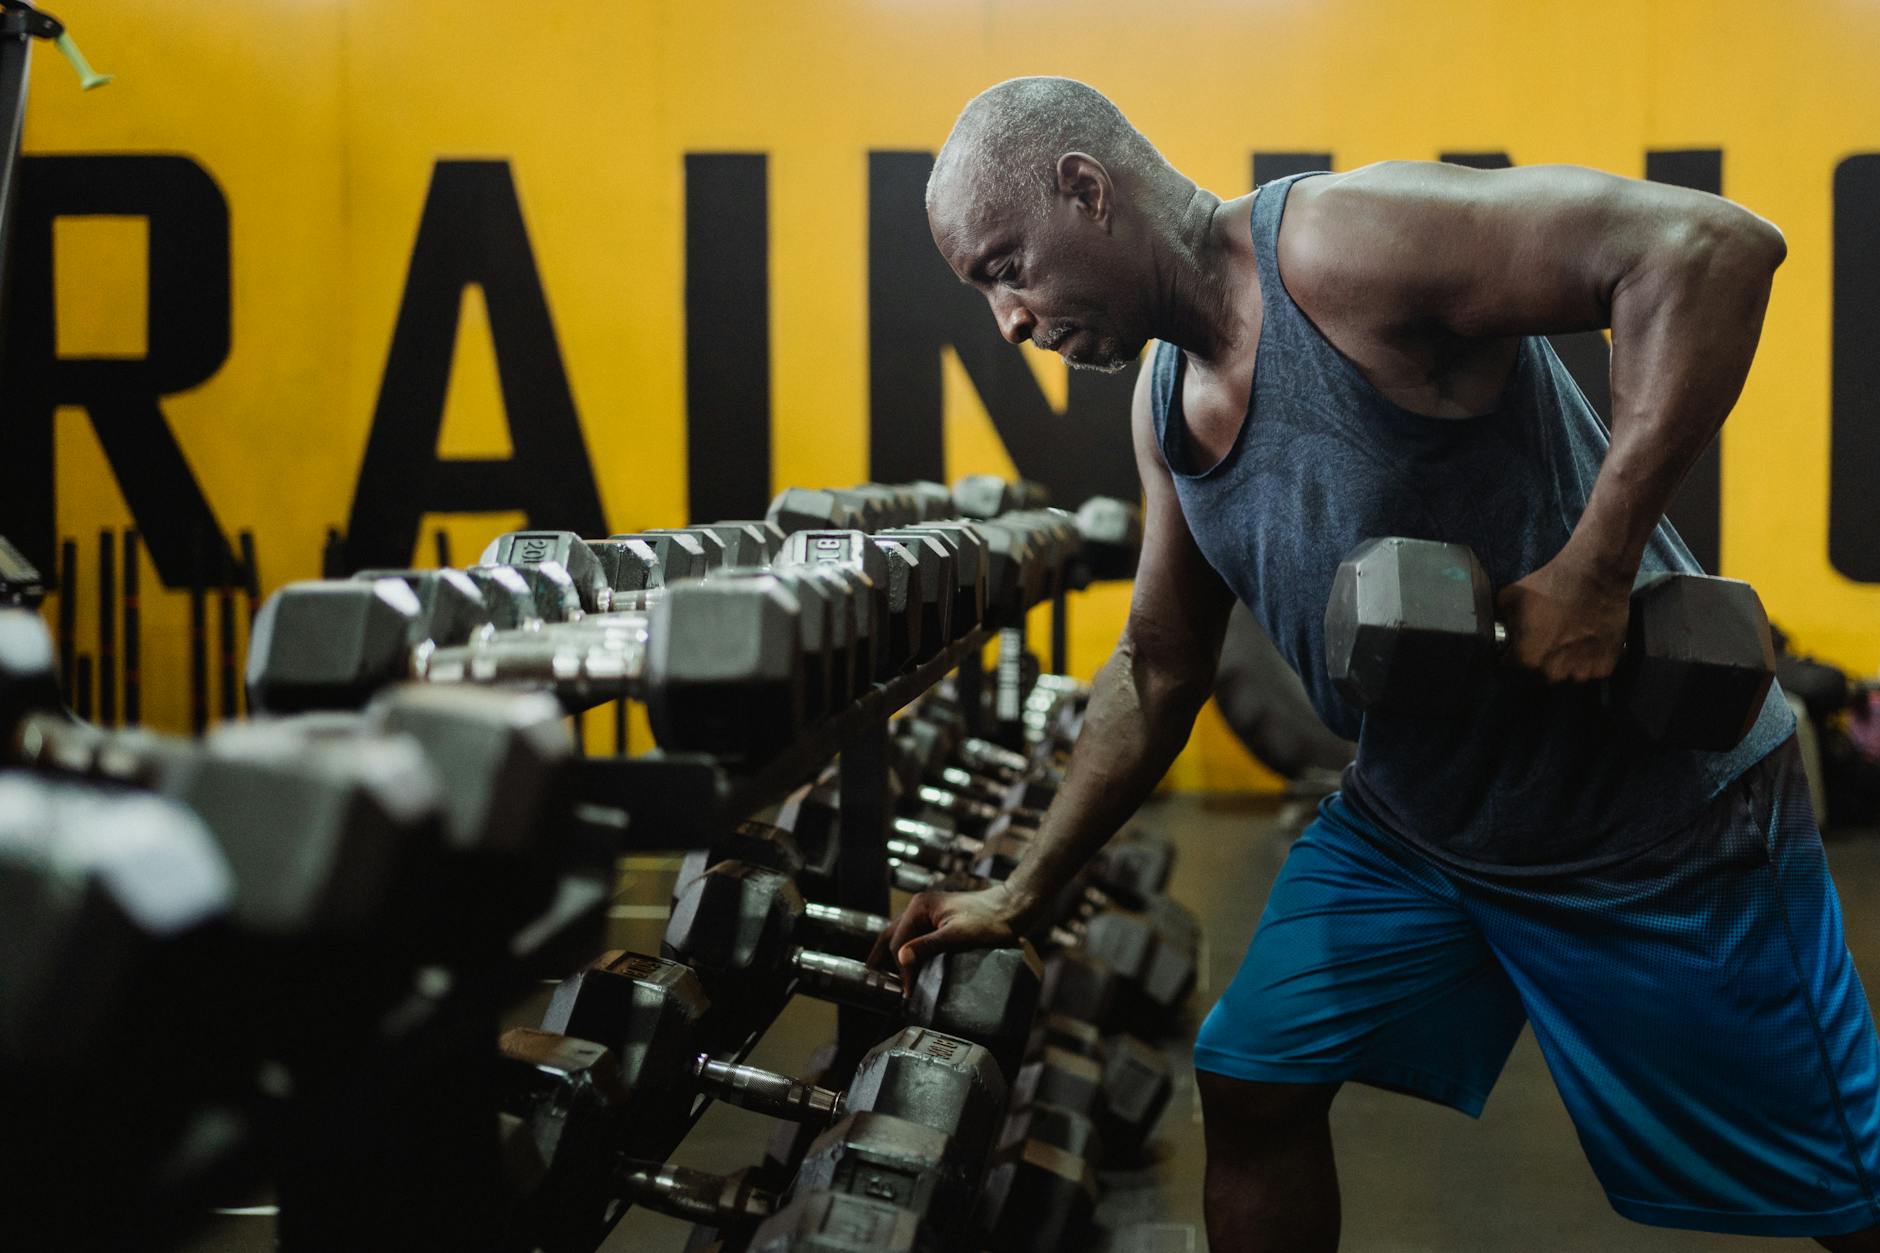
1009	277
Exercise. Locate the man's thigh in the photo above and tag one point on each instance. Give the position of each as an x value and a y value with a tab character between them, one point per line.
1704	1022
1367	967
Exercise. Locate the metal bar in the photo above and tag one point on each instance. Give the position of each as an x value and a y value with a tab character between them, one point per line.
198	639
225	633
251	574
68	620
251	591
81	691
107	629
133	636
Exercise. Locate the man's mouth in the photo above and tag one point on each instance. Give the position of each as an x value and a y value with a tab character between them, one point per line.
1054	339
1060	344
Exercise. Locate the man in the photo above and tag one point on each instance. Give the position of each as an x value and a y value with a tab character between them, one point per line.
1359	355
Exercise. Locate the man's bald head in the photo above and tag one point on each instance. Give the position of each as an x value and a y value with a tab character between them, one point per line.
1050	204
1005	146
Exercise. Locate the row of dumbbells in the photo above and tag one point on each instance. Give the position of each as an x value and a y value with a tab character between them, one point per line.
1083	1090
198	928
737	634
979	1122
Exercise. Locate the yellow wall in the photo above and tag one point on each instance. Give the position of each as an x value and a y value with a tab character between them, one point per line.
320	120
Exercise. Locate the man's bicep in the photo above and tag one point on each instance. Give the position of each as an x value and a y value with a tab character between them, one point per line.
1178	609
1483	253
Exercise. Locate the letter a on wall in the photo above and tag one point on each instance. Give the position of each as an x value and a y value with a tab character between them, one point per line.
471	232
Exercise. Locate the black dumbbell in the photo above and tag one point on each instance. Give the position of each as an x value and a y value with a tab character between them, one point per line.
501	758
867	1153
812	815
748	543
717	662
637	568
677	556
1122	1086
817	509
988	496
1148	972
574	1112
897	507
1038	1196
1410	620
653	1013
742	926
1148	961
1137	862
842	1222
1137	1080
354	796
1042	1186
633	563
934	501
757	902
758	843
887	572
851	558
559	561
115	903
1111	534
451	607
923	577
968	549
105	888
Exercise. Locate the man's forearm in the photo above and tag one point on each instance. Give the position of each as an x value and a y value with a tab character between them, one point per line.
1684	330
1138	720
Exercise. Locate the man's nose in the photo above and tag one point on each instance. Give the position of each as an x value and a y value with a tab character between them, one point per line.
1015	321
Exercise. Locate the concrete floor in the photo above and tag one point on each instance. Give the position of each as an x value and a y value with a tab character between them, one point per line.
1416	1178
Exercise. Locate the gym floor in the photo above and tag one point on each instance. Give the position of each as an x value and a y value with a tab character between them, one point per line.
1416	1178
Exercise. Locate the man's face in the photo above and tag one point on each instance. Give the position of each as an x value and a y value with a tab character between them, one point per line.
1057	280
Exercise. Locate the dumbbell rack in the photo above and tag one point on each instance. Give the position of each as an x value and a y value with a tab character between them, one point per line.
661	801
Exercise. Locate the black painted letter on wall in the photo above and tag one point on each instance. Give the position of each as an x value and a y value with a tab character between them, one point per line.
1854	464
187	316
727	335
471	232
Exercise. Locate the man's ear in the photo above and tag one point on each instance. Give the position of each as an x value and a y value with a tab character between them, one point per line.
1083	180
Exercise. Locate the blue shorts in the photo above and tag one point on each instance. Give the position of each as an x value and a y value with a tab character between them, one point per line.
1696	1004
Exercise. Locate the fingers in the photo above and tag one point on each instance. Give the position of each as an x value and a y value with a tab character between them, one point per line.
918	950
914	920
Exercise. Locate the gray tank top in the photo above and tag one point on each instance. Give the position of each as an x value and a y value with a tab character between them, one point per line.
1532	779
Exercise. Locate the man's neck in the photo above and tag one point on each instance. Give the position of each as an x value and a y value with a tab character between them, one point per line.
1198	277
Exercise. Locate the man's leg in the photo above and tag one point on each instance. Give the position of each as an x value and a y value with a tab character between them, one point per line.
1272	1184
1704	1022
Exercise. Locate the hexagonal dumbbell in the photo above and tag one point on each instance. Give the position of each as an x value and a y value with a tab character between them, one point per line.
742	926
1410	622
718	663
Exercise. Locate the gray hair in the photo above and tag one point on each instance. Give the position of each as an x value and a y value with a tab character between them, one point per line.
1009	137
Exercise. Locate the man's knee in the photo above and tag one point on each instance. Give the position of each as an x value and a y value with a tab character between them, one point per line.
1253	1114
